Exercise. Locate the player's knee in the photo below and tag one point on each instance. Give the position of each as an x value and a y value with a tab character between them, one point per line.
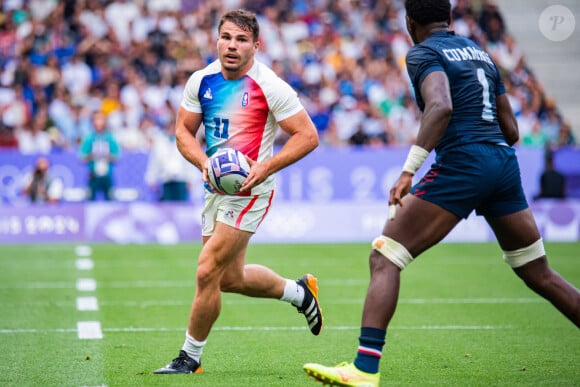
228	285
518	258
393	251
207	274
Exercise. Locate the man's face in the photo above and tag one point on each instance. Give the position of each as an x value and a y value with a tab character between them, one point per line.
236	50
99	122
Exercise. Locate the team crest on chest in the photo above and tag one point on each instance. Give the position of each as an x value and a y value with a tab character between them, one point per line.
245	99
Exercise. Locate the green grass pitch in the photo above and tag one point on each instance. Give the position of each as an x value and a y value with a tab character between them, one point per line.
464	319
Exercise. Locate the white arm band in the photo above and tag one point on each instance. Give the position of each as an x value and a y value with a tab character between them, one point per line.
415	159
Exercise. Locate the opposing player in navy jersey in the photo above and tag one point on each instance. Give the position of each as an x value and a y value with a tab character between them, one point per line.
467	119
241	104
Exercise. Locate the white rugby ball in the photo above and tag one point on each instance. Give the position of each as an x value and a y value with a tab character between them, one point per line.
227	170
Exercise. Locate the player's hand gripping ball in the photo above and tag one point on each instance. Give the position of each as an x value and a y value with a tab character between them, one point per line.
228	168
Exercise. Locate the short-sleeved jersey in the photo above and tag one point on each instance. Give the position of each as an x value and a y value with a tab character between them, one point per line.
242	113
474	82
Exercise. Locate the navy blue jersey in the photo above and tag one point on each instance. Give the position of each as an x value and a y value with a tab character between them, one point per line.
474	82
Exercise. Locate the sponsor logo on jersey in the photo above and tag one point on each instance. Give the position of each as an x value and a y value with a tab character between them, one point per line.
245	99
208	94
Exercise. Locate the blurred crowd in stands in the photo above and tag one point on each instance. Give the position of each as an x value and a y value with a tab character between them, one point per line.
63	61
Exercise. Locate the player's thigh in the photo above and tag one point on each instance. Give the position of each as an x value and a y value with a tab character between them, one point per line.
225	248
419	224
516	230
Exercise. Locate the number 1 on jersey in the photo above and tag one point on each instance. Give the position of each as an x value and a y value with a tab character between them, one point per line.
222	126
487	113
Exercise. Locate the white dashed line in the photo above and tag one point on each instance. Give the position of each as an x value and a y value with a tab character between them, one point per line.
87	303
86	285
95	328
83	251
89	330
84	264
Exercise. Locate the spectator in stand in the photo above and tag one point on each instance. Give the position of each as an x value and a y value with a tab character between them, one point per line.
60	111
491	21
565	136
506	52
535	138
325	49
527	119
77	76
359	137
35	138
550	121
17	111
168	173
100	150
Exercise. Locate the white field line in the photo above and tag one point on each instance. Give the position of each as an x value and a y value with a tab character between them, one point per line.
84	264
89	330
155	284
250	301
104	285
93	330
87	303
83	251
86	285
253	301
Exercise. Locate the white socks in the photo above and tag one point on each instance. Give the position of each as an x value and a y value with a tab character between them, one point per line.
293	293
192	347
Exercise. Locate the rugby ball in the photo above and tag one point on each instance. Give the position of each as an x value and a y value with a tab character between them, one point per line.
227	170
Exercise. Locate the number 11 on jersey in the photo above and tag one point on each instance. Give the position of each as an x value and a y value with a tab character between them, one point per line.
222	126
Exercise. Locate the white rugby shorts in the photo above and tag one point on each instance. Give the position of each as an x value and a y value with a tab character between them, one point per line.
241	212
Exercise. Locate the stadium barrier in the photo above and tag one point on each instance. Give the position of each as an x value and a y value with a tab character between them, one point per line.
333	195
287	222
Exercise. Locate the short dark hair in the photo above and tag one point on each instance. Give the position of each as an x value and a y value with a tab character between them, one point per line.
428	11
244	19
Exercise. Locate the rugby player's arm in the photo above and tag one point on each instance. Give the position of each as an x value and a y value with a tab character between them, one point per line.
186	127
437	112
436	115
507	120
303	140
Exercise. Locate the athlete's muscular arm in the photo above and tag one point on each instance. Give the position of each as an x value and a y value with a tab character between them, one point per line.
507	120
436	115
303	140
186	128
438	108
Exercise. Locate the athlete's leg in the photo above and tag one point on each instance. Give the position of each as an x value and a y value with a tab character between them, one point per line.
252	280
225	246
518	232
418	225
260	281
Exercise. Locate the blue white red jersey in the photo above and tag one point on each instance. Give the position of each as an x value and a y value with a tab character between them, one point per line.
242	113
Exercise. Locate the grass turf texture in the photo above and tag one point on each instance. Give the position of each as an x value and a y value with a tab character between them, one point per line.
463	319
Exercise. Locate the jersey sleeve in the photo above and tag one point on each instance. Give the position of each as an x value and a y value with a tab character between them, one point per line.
283	101
421	61
190	100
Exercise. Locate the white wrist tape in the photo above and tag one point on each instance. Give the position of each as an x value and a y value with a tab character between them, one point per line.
415	159
392	211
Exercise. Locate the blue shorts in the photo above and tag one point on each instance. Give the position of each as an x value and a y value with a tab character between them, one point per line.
482	177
